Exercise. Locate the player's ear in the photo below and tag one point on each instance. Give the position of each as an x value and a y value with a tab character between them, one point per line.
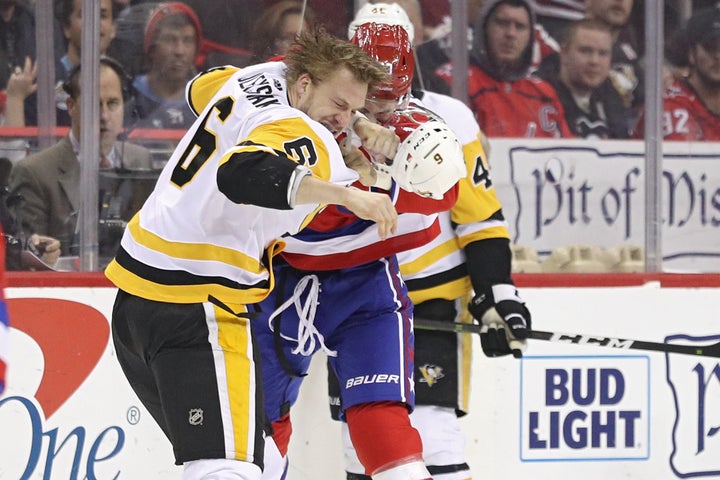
303	82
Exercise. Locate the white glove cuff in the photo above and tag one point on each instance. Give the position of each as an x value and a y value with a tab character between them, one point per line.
298	174
383	179
505	291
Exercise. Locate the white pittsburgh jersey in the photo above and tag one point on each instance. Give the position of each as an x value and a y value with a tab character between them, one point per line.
437	269
189	241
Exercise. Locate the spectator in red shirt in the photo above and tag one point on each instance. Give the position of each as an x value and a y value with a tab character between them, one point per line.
506	100
691	107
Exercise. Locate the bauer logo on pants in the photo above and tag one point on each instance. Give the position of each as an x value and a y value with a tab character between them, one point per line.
585	408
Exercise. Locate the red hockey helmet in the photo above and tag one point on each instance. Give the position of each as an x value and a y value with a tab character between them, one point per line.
389	45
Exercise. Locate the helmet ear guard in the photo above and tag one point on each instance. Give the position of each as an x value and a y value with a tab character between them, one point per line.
428	162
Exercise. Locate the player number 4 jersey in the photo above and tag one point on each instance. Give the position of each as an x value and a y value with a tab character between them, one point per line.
437	269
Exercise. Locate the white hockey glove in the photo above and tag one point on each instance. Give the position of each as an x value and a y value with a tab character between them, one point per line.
504	318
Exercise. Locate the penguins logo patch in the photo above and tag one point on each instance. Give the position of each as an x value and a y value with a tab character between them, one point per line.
431	374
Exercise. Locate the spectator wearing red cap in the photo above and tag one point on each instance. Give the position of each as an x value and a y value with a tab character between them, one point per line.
691	106
173	36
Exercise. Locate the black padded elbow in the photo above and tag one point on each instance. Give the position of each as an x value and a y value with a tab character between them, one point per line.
489	262
257	178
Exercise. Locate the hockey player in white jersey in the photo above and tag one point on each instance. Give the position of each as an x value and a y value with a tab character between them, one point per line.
471	254
256	165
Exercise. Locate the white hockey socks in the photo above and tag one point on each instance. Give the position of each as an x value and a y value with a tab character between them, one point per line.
220	469
414	470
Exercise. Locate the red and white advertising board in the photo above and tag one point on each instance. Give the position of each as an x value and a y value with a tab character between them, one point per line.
561	411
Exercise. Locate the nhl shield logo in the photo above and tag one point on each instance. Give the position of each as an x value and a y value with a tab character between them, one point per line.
195	416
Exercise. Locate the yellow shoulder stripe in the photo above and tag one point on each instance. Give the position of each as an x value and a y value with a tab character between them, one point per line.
204	87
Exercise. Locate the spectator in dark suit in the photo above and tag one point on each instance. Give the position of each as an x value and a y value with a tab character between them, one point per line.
49	181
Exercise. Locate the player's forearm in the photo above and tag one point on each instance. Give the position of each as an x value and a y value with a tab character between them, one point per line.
14	112
314	190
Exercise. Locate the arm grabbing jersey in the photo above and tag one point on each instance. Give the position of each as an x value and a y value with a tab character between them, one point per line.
429	159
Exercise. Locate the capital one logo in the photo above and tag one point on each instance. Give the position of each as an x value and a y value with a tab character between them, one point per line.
695	384
71	337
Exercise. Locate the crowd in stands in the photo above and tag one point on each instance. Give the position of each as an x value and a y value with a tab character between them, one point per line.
537	68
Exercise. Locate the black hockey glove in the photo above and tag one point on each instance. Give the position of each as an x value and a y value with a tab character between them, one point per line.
504	318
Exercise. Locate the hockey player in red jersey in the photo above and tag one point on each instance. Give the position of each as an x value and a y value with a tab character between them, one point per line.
339	290
471	254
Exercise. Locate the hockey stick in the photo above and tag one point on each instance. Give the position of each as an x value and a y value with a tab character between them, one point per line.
712	350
